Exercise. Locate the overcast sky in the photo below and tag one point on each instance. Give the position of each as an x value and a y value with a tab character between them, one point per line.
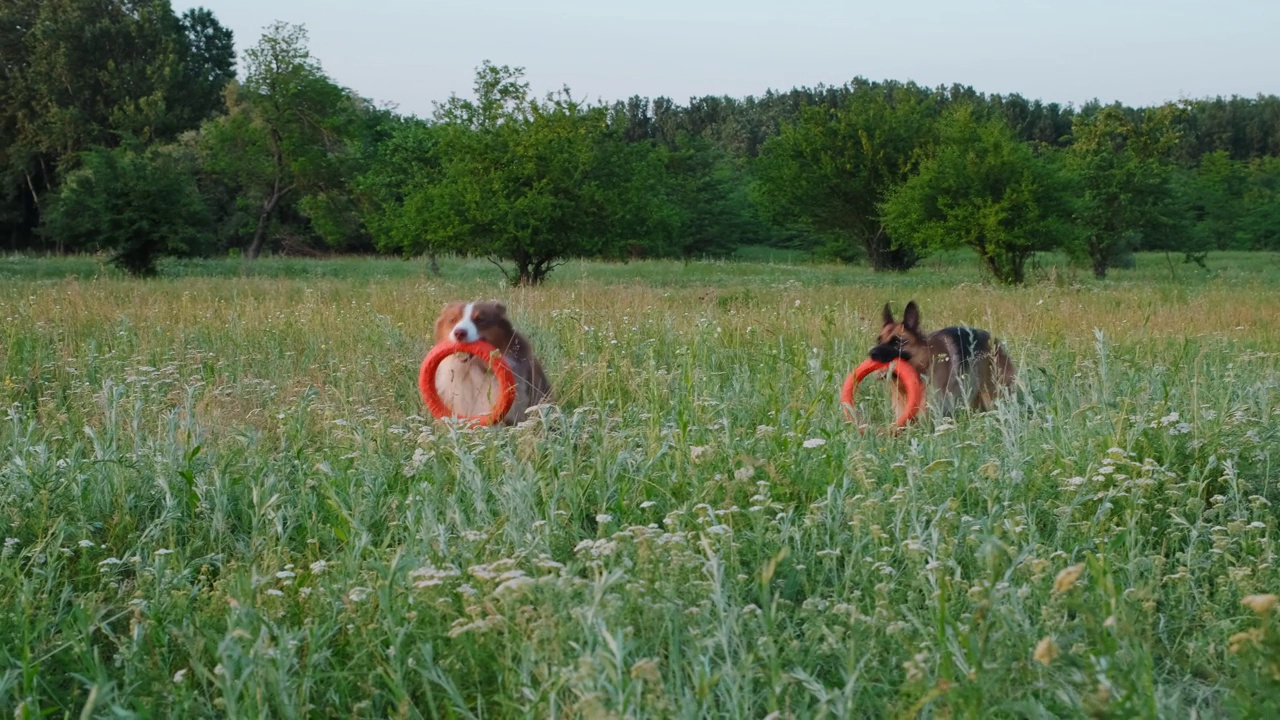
1141	52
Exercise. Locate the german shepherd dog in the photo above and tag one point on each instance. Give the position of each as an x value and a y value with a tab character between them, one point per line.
957	364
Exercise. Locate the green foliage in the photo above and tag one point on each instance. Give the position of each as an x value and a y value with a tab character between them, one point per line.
1127	195
983	189
833	166
1215	193
707	191
398	188
291	160
289	132
1261	223
1246	128
99	71
76	74
519	179
141	205
208	60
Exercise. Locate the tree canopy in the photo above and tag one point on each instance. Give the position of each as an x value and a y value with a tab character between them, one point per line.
285	159
984	189
834	166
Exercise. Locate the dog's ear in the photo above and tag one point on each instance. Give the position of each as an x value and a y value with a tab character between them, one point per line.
448	317
911	317
888	315
499	308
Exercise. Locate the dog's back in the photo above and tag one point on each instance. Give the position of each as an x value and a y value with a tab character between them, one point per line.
468	379
968	363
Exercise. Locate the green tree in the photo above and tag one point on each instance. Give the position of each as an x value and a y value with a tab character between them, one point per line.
208	64
708	195
288	130
77	74
986	190
1127	194
399	190
527	181
1215	194
140	204
831	169
1261	204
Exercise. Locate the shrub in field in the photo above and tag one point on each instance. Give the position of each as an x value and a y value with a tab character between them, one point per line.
141	205
982	189
832	167
1128	196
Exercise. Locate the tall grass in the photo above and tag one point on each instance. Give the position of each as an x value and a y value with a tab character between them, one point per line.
219	497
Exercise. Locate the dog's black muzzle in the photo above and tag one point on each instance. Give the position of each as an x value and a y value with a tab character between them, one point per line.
888	353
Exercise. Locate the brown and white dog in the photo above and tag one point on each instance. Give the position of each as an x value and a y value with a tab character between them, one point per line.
957	364
465	382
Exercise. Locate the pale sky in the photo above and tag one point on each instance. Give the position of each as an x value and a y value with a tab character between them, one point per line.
1140	52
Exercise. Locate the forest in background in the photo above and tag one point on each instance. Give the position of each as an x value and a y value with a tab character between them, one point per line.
126	128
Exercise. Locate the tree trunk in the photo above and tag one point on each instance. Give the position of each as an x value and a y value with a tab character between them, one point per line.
1019	269
992	266
1099	256
435	263
264	219
260	233
1099	267
884	257
269	205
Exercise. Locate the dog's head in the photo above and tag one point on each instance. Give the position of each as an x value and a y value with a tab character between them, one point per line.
901	340
472	321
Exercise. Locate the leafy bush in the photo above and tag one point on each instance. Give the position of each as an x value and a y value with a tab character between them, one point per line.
986	190
140	205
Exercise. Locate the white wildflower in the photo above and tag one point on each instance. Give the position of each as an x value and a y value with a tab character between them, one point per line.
814	442
415	464
513	586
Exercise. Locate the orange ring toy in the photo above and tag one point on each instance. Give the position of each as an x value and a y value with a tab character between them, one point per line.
910	378
482	350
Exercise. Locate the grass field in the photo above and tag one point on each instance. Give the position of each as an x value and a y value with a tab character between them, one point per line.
219	498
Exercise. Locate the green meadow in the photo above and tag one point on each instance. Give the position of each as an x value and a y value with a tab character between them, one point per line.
221	496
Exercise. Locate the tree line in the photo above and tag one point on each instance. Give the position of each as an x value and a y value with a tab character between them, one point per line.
125	128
